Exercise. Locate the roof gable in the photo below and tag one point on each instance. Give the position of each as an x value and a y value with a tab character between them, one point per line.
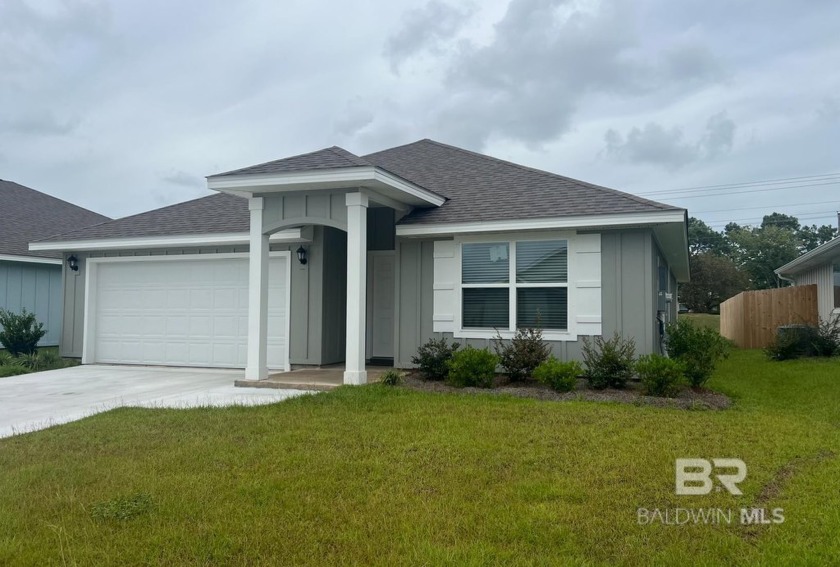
27	215
328	158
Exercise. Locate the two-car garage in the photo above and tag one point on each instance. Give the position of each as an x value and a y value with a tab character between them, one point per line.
180	310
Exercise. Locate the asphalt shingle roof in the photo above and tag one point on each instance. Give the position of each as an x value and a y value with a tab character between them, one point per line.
483	188
27	215
477	188
214	214
328	158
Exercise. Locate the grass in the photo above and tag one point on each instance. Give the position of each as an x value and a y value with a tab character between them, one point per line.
709	320
382	475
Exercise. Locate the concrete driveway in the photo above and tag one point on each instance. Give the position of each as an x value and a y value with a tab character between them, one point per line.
43	399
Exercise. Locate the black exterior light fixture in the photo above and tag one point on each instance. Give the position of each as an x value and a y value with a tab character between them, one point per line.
301	254
73	262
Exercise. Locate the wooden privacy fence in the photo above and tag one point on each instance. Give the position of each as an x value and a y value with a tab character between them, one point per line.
751	318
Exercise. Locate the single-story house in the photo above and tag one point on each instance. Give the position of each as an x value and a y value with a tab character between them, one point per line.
31	280
820	267
330	257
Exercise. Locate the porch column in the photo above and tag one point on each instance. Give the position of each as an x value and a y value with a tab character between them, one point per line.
354	370
257	368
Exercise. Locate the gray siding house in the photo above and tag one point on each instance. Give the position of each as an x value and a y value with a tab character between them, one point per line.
329	257
820	267
33	280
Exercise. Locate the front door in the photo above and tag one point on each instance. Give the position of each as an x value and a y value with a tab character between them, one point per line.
380	302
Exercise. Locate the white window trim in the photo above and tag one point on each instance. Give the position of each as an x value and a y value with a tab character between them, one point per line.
569	334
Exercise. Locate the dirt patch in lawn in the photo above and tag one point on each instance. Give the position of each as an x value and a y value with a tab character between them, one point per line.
688	398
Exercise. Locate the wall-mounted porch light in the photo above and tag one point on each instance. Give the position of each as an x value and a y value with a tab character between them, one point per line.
73	262
301	255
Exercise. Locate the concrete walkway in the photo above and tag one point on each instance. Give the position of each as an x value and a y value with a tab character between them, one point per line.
43	399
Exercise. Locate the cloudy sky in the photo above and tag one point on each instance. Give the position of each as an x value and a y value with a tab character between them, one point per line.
125	105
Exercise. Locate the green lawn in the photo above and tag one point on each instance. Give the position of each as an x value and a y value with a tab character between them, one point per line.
709	320
372	475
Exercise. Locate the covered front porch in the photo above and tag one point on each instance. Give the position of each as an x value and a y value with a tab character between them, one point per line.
321	379
340	200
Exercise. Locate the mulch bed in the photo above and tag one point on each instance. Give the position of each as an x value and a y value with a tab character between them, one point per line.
688	398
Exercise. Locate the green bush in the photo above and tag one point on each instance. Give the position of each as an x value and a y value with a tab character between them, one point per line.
432	358
609	363
660	376
472	367
21	332
522	354
12	370
789	345
698	348
6	359
392	377
825	338
49	360
560	376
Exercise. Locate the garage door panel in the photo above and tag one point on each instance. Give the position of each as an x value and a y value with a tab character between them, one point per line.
190	312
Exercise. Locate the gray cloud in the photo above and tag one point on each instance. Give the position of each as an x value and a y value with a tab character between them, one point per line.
667	147
424	29
547	58
38	122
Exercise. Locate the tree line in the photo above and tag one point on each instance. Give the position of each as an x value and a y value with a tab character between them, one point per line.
740	258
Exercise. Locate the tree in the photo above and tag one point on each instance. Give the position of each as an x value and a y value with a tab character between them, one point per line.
714	279
812	236
758	251
702	238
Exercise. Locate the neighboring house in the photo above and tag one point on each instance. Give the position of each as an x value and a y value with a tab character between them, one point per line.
329	257
31	280
820	266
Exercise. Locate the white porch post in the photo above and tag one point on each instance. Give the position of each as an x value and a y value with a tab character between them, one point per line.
354	370
257	368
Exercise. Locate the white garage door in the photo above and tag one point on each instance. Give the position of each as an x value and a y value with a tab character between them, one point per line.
190	311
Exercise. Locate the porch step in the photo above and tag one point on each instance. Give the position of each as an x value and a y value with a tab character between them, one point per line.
285	385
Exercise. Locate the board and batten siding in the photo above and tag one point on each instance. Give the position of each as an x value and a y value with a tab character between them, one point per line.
628	293
823	277
36	288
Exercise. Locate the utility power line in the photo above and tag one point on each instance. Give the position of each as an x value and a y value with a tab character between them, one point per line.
833	177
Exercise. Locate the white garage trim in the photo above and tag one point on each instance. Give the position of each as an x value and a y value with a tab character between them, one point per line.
92	268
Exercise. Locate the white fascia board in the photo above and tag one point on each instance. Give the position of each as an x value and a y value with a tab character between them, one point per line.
576	222
809	258
329	179
30	259
327	176
406	187
230	239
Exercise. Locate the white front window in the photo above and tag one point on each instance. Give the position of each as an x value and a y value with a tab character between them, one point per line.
515	284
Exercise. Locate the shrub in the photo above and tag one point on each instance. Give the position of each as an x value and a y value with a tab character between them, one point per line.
825	338
698	348
609	363
432	358
49	360
525	351
6	358
392	377
21	332
472	367
560	376
12	370
660	376
790	345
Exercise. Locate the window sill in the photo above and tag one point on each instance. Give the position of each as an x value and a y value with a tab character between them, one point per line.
492	334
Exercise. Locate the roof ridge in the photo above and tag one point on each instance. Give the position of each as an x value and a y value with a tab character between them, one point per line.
331	149
629	196
75	206
339	154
